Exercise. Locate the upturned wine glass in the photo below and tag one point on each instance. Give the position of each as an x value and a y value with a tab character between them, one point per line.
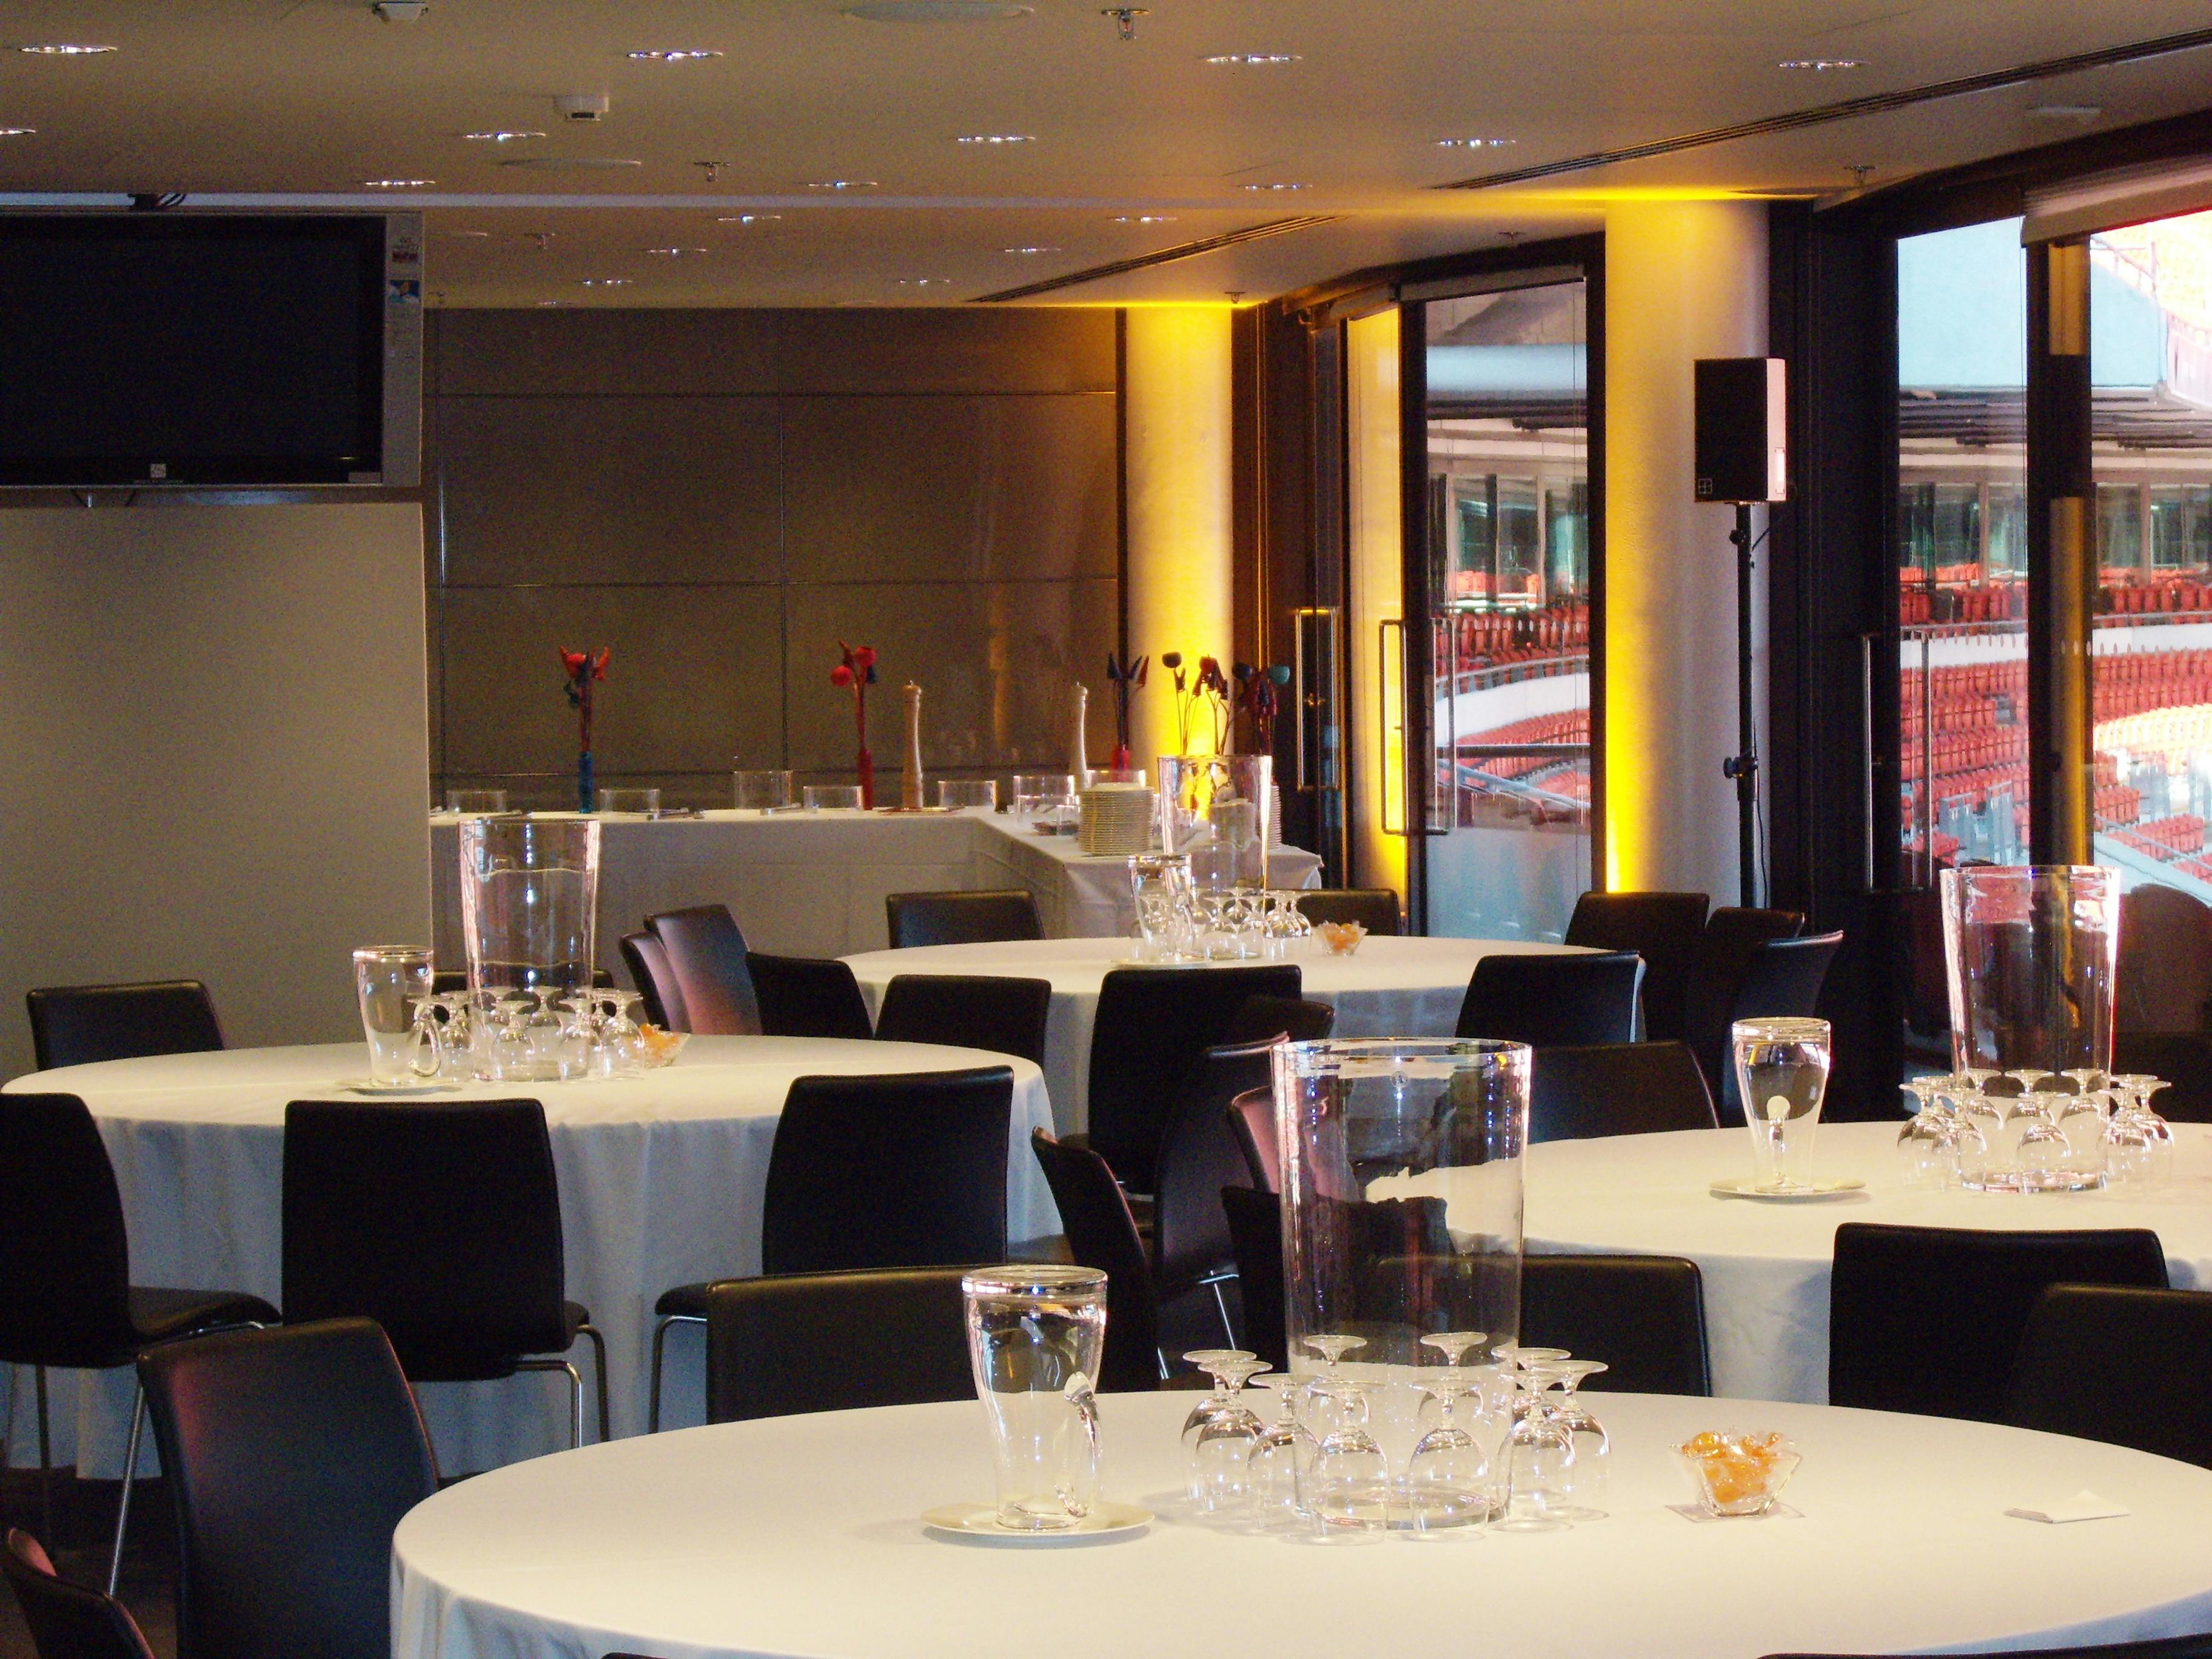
1539	1456
1281	1461
1589	1479
426	1041
1224	1451
1351	1477
1215	1363
1448	1477
1325	1405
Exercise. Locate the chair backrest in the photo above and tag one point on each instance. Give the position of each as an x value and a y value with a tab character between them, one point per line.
438	1220
65	1256
1717	968
897	1171
970	918
706	953
1645	1316
1255	1231
967	1011
76	1024
1617	1089
1300	1018
646	958
1199	1156
1929	1319
1374	908
832	1342
2182	1059
66	1620
2081	1337
290	1454
1252	1120
1151	1026
1102	1234
1783	976
808	996
1663	928
2164	979
1551	1001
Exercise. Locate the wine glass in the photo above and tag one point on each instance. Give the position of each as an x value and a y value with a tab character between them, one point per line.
426	1042
1516	1359
1280	1461
457	1057
1223	1453
1215	1363
510	1043
622	1034
1351	1478
1539	1456
1323	1404
1981	1114
1589	1477
2081	1120
1448	1477
2042	1158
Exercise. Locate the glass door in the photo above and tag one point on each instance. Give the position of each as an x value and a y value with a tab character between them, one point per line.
1499	586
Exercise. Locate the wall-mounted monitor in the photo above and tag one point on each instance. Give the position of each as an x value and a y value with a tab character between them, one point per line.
206	351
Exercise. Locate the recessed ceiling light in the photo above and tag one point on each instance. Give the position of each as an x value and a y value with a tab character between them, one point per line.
1822	64
675	252
748	219
841	184
62	50
568	163
681	55
1253	58
1275	186
923	281
997	138
16	132
1474	143
939	11
2068	111
499	138
468	233
397	184
606	281
1144	218
1029	250
552	302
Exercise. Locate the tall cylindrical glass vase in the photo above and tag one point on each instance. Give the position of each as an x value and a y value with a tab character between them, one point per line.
1219	810
2032	952
530	902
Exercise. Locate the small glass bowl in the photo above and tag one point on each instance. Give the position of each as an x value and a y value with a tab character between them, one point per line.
1738	1473
1341	938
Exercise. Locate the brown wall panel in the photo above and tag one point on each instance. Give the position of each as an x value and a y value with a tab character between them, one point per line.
1028	348
596	352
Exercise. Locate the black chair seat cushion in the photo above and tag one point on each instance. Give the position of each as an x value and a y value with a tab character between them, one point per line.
162	1315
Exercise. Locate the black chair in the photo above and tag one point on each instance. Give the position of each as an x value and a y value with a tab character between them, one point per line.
1151	1026
1199	1156
2183	1059
77	1024
1255	1232
1617	1089
646	958
1300	1018
2161	1647
1374	908
290	1454
1102	1233
1644	1315
706	954
772	1343
440	1220
872	1172
1663	928
66	1620
968	1010
1718	963
1784	976
2080	1337
1929	1319
1252	1120
977	918
66	1297
808	996
1550	1001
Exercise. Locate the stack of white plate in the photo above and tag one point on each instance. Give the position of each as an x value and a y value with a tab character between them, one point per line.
1117	819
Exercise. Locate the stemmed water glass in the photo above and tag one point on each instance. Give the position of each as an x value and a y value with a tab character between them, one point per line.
1928	1144
426	1042
1322	1402
510	1043
1589	1476
1215	1363
622	1034
1223	1454
1448	1477
456	1056
1539	1456
2138	1143
1351	1477
1281	1459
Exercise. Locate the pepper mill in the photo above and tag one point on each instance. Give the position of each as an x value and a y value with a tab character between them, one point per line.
910	782
1077	706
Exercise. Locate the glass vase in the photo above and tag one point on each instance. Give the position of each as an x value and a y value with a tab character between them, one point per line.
1219	810
2031	953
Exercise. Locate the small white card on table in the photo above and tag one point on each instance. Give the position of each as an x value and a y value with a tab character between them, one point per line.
2083	1505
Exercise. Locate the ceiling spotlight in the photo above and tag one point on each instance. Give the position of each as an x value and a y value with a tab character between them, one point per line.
1144	218
16	132
1252	58
841	184
682	55
400	11
997	138
1125	19
675	252
58	50
1822	64
2068	111
1474	143
398	184
923	281
748	219
499	138
606	281
468	233
1275	186
1029	250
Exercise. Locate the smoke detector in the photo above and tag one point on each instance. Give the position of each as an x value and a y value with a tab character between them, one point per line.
582	106
400	11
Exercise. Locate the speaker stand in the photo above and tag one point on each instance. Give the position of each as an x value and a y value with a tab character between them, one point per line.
1743	765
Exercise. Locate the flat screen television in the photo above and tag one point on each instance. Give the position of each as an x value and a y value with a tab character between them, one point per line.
146	349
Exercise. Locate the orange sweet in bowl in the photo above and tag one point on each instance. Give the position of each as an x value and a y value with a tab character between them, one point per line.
1341	938
1736	1473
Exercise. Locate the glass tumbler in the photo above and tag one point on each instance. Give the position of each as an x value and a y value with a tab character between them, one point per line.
966	794
1035	1335
390	979
631	802
832	797
760	791
474	801
1782	1077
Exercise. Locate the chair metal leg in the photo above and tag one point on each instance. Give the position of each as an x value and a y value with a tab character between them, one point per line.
1221	1304
130	1474
659	1347
575	1393
46	1460
599	1373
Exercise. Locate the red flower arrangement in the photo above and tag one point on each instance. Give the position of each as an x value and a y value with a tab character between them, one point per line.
857	670
1125	676
584	671
1258	695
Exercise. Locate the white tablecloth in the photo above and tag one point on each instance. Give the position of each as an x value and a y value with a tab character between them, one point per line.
813	884
799	1535
1389	988
1765	1264
661	1178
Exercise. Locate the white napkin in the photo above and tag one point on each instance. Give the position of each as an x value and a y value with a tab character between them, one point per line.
2083	1505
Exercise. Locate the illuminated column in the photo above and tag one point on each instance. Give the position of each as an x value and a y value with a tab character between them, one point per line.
1178	409
1683	280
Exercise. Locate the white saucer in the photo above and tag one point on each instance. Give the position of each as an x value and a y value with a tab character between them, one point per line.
1744	1187
362	1086
981	1520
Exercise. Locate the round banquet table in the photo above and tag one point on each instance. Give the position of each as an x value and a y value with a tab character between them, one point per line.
799	1535
661	1179
1391	986
1766	1263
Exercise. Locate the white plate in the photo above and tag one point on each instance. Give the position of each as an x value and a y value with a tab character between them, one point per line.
1744	1187
981	1520
362	1086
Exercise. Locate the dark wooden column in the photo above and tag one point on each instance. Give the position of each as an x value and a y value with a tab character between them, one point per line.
2061	554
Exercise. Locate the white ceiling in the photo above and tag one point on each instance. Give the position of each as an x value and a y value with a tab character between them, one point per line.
314	97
